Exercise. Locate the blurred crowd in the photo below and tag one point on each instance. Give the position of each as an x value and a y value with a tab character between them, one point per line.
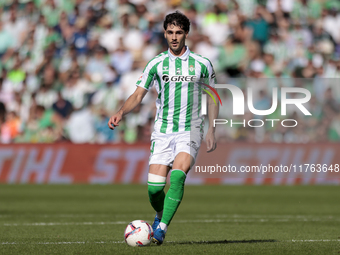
68	65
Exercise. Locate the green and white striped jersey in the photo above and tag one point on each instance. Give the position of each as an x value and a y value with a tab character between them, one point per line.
179	97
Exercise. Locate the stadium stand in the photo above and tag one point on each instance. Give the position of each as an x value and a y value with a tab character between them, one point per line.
66	66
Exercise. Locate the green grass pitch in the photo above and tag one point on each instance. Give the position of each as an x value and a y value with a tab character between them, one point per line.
90	219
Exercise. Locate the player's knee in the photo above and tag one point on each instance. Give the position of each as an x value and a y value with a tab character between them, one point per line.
184	162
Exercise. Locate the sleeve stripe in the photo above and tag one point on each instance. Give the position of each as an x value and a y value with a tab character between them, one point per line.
207	68
149	72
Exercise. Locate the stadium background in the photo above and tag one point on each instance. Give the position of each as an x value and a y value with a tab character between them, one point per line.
67	66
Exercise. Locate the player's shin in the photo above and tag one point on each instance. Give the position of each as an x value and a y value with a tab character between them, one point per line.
173	197
156	184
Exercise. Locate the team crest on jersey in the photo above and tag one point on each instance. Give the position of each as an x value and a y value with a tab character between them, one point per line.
191	68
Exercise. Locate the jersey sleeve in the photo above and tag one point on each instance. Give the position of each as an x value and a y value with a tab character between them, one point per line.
147	78
211	76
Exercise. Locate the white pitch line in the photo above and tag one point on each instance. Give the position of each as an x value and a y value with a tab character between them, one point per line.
262	216
148	214
65	223
76	215
178	221
321	240
63	243
210	216
119	242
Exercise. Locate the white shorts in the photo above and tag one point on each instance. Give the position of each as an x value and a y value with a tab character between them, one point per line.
165	147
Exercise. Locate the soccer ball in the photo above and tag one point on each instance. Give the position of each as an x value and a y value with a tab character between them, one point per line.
138	233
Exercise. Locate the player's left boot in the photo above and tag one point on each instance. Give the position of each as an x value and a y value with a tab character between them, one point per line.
155	223
158	236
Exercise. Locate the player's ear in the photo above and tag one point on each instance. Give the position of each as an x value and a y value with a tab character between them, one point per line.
186	35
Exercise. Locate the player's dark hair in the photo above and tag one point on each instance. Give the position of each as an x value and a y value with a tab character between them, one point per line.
177	19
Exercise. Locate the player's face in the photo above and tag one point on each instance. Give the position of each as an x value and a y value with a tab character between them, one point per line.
175	37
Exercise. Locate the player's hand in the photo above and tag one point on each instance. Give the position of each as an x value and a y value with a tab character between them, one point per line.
114	120
211	141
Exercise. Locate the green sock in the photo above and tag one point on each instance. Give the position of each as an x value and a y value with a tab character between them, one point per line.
174	195
156	195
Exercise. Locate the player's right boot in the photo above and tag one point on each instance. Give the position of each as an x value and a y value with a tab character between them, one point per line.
155	223
158	236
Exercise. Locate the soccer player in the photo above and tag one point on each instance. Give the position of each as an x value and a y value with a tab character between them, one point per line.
178	128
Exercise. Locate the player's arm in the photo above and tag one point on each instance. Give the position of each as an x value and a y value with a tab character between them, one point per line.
212	115
213	109
131	103
143	85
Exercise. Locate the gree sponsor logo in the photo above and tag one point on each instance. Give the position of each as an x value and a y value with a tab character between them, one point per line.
179	78
193	78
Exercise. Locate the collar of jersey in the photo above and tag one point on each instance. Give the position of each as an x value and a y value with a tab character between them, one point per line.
183	57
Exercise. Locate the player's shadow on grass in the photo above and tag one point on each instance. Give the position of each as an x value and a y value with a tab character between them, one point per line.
225	241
